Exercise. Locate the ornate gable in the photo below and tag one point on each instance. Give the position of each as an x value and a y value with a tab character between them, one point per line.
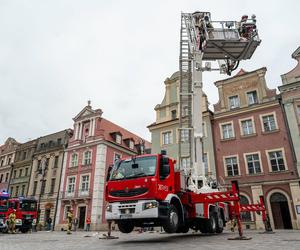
87	112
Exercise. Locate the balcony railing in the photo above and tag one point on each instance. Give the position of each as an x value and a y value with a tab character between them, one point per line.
77	194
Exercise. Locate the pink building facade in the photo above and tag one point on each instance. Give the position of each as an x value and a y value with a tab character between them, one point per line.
96	143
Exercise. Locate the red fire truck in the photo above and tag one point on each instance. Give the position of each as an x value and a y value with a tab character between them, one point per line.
147	190
26	213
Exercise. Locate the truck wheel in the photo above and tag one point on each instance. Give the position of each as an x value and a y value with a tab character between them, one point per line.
170	225
24	230
209	225
183	229
220	224
125	227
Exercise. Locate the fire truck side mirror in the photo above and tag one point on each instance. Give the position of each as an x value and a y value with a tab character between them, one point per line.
108	172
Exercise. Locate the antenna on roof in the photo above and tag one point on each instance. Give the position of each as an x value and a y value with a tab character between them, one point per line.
89	103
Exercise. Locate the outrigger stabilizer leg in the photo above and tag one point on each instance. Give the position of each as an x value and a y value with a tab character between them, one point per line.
237	212
108	236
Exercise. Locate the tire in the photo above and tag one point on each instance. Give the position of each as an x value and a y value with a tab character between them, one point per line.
24	230
125	227
209	225
220	224
183	229
170	225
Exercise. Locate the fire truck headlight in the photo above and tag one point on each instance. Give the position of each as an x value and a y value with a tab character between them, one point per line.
18	221
109	208
33	221
151	204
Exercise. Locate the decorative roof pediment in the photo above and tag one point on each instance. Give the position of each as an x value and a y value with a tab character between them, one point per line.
87	112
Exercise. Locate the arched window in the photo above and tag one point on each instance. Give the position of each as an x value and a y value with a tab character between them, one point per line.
245	216
74	162
278	197
87	158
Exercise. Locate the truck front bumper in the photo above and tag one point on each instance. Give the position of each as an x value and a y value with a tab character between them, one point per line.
142	209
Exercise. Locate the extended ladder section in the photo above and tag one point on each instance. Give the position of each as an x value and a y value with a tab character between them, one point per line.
204	39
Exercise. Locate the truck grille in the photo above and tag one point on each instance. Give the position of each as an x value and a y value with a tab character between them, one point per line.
128	192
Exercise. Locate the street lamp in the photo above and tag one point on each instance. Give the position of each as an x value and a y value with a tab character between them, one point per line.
42	170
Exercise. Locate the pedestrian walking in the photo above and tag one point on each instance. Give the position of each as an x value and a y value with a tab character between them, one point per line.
49	222
88	224
69	220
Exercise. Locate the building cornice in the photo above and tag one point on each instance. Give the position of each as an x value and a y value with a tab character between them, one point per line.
245	110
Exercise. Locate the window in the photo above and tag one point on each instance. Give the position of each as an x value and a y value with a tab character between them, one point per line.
56	161
87	158
9	160
253	164
58	141
20	173
43	186
74	162
2	162
23	190
52	186
17	191
39	166
15	174
131	144
205	162
71	185
6	177
24	155
276	161
252	97
185	111
34	188
11	191
231	166
167	138
50	143
26	171
116	157
85	182
227	131
1	178
184	135
234	102
185	162
47	162
269	123
173	114
247	127
118	138
245	216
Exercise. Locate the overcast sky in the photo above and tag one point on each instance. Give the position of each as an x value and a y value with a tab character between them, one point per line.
56	55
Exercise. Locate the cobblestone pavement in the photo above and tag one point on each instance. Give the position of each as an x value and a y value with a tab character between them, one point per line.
80	240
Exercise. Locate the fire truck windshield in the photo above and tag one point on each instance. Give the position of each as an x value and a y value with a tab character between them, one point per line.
3	205
28	205
134	168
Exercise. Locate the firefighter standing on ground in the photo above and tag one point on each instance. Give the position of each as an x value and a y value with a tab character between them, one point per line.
12	222
70	220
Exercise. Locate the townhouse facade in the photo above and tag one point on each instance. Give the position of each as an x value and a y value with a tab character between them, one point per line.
165	130
7	157
252	146
21	169
46	173
95	145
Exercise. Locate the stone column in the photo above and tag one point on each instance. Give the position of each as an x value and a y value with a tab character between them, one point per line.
295	192
256	192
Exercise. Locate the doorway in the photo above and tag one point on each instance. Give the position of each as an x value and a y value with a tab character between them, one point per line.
280	211
81	222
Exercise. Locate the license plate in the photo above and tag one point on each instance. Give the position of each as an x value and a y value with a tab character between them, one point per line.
125	216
